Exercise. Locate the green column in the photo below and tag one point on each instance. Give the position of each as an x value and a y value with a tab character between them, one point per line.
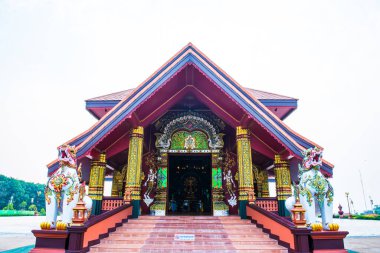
283	184
96	185
159	205
219	207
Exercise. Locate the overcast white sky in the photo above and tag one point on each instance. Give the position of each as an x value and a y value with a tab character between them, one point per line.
56	54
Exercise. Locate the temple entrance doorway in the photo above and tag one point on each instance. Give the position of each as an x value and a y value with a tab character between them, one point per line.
189	185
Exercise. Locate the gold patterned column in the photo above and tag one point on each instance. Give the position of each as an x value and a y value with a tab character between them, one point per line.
246	188
265	184
283	183
133	182
117	183
96	184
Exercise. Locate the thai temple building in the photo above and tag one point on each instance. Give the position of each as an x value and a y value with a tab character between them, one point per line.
191	142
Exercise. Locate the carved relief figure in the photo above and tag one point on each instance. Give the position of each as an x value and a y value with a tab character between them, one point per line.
151	177
229	179
189	142
230	184
150	181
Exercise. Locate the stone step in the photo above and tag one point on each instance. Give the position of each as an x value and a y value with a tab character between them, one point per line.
179	248
182	225
144	235
186	230
240	237
176	250
212	234
198	241
188	218
191	248
151	221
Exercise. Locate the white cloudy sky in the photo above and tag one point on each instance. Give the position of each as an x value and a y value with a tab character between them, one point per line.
55	54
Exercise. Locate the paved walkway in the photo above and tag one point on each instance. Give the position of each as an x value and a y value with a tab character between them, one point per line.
363	244
16	231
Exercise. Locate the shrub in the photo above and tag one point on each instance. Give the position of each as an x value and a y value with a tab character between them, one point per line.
32	207
9	207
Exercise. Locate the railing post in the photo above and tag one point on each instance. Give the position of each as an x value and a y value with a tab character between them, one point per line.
301	240
76	236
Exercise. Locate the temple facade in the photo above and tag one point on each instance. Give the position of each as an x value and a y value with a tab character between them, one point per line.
190	140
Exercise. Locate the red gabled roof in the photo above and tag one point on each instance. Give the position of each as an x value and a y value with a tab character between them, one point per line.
113	117
263	95
113	96
256	93
280	105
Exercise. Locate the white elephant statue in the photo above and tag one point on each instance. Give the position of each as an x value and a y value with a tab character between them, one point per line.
314	190
63	188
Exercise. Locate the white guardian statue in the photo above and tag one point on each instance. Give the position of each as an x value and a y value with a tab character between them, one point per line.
62	189
315	191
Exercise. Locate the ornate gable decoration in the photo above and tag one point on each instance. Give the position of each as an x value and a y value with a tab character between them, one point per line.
189	132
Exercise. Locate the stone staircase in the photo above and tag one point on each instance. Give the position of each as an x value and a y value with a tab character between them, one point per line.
211	234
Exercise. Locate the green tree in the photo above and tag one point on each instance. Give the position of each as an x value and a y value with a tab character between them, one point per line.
21	191
42	211
9	207
32	207
22	205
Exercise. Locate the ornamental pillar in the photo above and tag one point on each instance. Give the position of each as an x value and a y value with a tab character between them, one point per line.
259	184
265	184
96	185
159	206
117	184
219	207
133	182
246	188
283	184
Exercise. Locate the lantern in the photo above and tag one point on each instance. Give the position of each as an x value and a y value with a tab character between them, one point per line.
80	210
79	216
298	214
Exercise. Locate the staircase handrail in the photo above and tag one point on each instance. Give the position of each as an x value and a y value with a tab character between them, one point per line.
96	228
280	228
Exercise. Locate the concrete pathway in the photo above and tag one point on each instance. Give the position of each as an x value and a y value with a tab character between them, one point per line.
16	231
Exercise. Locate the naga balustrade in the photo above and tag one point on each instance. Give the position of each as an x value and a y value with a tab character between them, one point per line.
110	203
269	204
